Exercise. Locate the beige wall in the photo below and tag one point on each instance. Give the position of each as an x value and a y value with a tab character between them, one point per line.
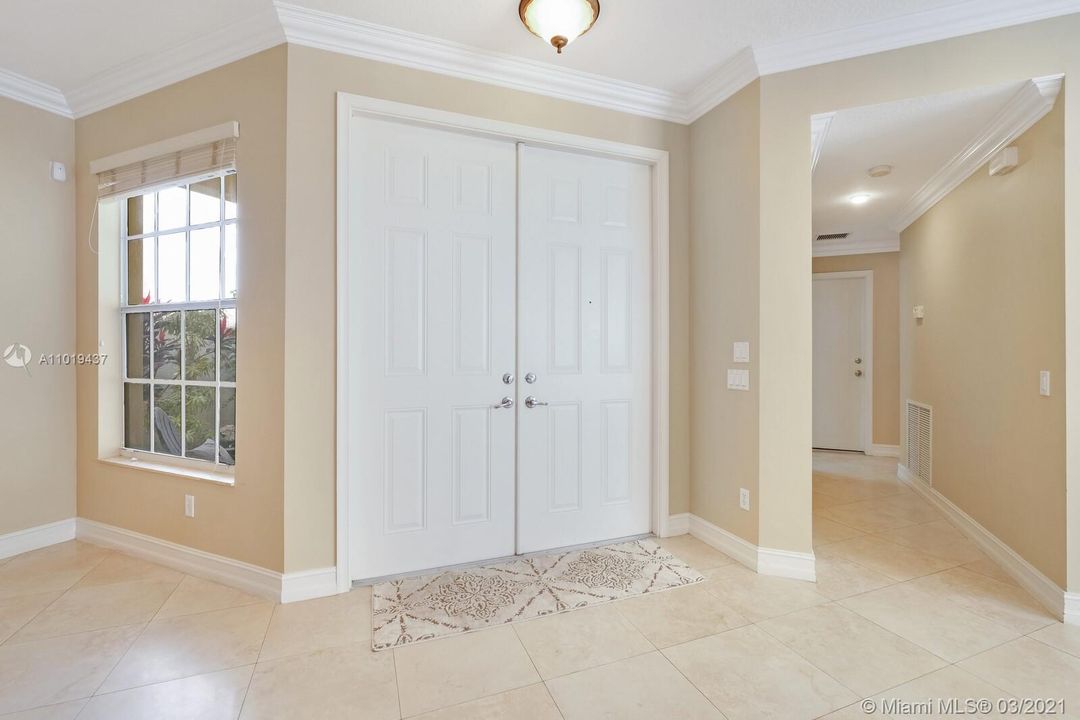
37	298
987	262
784	298
886	268
723	309
242	522
315	77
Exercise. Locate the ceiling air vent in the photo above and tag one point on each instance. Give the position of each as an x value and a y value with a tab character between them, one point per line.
832	236
920	435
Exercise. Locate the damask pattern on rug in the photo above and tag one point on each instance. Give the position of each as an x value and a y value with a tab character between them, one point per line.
414	609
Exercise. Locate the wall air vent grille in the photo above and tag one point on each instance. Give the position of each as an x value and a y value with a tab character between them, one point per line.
920	436
832	236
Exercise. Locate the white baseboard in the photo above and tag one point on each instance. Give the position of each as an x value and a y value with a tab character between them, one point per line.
36	537
767	561
308	584
678	524
1065	606
878	450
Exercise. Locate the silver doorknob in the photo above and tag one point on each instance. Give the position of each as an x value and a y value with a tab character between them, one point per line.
508	379
858	361
506	403
531	402
530	378
858	373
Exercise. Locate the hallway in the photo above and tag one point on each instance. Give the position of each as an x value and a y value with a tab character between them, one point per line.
904	607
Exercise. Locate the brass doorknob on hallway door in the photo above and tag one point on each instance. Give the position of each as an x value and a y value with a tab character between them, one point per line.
531	402
858	373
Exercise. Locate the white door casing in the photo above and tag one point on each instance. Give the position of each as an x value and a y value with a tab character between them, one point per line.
843	362
584	460
431	297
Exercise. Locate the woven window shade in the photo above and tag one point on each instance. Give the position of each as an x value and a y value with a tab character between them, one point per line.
208	158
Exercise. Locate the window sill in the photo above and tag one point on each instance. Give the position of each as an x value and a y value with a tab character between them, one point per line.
167	469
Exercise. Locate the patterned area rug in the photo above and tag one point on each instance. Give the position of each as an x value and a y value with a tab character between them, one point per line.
422	608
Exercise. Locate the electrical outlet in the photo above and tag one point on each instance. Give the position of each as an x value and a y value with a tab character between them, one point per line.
189	506
1044	383
744	498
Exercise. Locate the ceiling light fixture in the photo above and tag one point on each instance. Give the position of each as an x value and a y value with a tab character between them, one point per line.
879	171
559	22
860	198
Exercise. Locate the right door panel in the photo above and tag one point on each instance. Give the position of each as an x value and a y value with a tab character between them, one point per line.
584	332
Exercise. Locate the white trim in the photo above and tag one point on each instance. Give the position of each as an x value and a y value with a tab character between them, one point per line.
1033	101
832	248
309	584
225	44
1045	590
350	105
766	561
204	136
788	564
866	422
732	76
678	524
39	536
819	130
349	36
879	450
246	577
1071	616
31	92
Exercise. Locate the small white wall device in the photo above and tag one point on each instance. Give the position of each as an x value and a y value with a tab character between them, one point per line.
1005	161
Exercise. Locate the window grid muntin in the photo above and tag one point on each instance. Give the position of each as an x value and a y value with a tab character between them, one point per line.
155	308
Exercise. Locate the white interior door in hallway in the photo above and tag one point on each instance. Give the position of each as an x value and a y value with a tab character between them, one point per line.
454	295
842	363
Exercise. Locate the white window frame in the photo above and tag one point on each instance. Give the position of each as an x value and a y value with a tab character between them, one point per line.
215	467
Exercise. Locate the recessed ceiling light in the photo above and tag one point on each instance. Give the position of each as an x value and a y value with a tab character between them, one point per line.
559	22
879	171
860	198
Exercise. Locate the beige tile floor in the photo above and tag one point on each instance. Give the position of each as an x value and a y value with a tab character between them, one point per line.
904	607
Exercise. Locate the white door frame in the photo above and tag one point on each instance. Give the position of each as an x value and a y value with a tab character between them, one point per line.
349	106
867	409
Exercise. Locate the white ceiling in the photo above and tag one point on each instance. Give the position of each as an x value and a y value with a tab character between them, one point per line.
918	137
681	56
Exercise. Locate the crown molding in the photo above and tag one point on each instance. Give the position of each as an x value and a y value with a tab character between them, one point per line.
831	248
819	130
349	36
1033	101
228	43
731	77
25	90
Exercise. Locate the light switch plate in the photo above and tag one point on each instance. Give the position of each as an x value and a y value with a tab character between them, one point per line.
1044	383
741	351
58	171
189	506
738	379
744	499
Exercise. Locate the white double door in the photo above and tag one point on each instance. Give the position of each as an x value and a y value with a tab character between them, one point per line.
499	346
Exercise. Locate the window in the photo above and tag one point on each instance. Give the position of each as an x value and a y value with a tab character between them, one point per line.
178	310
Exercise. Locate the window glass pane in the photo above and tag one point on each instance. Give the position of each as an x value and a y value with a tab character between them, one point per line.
140	214
167	345
229	284
172	208
136	416
206	201
201	408
167	419
200	363
138	345
230	196
140	271
205	263
227	435
172	270
227	328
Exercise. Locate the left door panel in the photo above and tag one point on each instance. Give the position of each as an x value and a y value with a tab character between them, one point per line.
431	328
